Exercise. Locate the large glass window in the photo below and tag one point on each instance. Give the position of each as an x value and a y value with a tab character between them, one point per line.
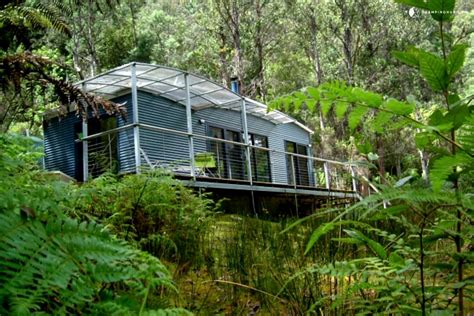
297	165
229	157
260	158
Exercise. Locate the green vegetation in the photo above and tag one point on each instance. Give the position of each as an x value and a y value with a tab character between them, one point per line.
380	86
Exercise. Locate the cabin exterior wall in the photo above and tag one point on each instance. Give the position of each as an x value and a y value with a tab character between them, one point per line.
158	111
61	149
59	145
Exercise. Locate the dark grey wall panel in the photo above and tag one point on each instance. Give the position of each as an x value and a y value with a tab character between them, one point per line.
59	145
125	143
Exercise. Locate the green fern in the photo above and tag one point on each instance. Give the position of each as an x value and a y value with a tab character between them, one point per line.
61	265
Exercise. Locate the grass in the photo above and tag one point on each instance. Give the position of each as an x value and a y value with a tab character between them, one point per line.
250	267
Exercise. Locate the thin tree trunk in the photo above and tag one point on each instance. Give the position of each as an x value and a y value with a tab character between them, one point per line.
260	80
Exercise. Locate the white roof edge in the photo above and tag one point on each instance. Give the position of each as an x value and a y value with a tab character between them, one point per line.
283	114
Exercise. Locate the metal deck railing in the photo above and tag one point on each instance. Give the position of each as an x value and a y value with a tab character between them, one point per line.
212	159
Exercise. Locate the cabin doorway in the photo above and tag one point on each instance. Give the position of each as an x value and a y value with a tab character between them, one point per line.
102	150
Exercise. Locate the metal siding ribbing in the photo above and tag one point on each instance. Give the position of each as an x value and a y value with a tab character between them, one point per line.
162	148
125	144
280	134
166	147
59	145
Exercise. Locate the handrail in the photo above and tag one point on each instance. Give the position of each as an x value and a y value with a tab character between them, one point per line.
110	131
173	131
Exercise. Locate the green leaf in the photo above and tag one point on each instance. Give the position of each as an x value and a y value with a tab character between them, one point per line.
340	109
347	240
380	121
313	92
410	57
356	116
297	104
443	167
433	70
317	233
441	10
397	107
421	4
396	260
455	59
377	248
457	116
326	228
300	95
370	98
364	147
325	106
423	139
311	104
453	100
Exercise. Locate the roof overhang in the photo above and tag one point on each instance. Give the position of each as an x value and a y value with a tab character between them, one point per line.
170	83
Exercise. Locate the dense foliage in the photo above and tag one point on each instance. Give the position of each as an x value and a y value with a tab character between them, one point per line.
388	84
53	263
421	264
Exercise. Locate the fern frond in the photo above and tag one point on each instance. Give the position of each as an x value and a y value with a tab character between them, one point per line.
62	264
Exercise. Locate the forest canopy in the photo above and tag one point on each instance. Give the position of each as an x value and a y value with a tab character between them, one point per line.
387	85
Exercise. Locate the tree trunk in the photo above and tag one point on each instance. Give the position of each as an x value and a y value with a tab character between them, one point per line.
260	79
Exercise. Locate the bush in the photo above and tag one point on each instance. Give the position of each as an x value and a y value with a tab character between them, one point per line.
52	263
153	210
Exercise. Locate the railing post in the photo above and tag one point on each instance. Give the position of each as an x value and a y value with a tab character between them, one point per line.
327	175
85	143
246	140
136	131
292	158
293	174
354	180
189	123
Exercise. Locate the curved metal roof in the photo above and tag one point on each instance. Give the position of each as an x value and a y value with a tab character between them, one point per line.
169	83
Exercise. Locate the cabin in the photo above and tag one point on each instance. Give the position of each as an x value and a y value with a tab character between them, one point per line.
206	134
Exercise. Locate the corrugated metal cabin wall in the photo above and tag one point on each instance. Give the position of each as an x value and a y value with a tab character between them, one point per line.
162	112
125	145
59	145
161	147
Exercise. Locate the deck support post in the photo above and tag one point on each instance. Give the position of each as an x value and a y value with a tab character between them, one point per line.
85	143
327	175
136	131
245	129
246	140
189	123
293	173
354	180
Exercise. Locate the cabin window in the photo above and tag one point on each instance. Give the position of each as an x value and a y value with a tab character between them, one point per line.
298	165
229	157
260	158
